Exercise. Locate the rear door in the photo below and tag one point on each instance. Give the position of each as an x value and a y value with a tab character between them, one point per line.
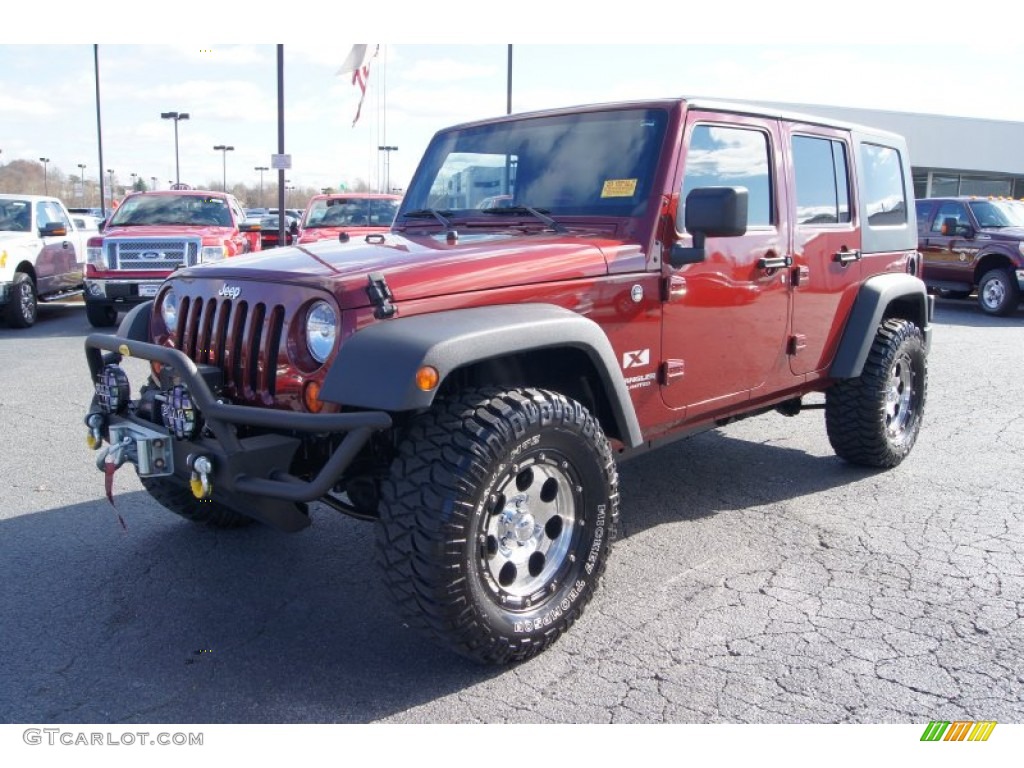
826	242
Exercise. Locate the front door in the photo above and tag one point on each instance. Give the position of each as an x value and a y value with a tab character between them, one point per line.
726	318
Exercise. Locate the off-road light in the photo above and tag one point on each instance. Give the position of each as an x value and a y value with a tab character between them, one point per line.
169	310
427	378
179	413
321	330
113	389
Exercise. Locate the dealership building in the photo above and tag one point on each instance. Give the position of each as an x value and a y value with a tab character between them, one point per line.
948	155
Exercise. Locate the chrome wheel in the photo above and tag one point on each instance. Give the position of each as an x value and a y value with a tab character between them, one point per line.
530	529
899	397
994	294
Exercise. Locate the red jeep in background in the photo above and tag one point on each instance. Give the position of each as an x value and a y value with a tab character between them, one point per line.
153	233
356	215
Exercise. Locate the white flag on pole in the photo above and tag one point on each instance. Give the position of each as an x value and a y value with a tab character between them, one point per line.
358	64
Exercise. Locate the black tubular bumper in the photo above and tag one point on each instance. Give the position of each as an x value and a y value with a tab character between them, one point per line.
248	472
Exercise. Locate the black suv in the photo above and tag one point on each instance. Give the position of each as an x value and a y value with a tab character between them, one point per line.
973	243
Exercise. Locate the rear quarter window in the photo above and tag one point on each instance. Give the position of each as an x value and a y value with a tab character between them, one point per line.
888	214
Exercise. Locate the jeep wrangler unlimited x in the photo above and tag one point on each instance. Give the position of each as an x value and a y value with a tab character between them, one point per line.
468	380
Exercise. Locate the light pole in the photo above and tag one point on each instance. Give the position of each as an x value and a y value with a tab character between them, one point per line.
46	184
224	154
82	168
261	169
176	117
153	179
135	182
110	173
387	166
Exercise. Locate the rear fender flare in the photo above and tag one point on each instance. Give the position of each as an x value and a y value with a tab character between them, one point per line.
877	295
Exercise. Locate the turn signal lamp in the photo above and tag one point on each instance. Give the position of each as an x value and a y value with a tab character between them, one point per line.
311	397
427	378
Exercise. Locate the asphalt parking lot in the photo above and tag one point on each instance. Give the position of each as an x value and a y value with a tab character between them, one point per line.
759	579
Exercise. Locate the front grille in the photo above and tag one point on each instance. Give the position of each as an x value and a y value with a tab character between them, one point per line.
240	338
152	253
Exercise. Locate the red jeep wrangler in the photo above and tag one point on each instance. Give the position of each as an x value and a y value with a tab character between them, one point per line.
153	233
468	380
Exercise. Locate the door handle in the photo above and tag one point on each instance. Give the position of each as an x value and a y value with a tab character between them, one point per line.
846	257
774	262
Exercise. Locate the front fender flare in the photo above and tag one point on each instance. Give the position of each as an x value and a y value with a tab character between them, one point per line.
376	367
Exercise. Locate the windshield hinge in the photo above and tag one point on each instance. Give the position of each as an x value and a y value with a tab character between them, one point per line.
380	296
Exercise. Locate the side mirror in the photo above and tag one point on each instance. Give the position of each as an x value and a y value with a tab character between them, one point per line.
711	212
294	228
54	229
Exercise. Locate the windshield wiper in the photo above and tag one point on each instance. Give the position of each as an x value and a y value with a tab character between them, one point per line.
426	213
527	209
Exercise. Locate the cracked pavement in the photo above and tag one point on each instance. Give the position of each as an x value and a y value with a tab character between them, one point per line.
757	579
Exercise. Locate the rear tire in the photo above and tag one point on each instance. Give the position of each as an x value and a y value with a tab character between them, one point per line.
179	500
101	315
497	519
874	419
23	306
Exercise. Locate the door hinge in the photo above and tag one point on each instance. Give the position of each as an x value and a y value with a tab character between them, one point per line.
669	370
796	342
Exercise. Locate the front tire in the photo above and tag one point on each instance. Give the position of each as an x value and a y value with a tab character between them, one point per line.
101	315
179	500
875	418
496	521
998	292
23	307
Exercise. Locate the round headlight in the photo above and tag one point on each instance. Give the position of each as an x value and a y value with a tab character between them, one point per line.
169	310
321	330
179	413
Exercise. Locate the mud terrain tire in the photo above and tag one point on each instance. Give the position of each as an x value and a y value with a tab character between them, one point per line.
875	418
497	519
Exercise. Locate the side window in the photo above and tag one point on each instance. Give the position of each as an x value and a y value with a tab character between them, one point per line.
728	156
51	212
950	210
886	202
822	181
924	213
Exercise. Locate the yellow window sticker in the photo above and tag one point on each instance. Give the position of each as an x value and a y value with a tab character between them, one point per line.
619	188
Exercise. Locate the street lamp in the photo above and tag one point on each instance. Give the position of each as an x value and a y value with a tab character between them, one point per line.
261	169
153	179
387	166
46	184
176	117
110	172
82	168
135	182
224	154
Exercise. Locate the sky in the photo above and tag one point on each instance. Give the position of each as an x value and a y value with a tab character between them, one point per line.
427	77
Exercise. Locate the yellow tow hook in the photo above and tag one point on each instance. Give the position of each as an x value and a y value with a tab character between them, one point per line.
95	437
202	486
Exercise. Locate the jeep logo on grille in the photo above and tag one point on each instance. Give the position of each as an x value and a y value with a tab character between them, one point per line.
150	255
230	292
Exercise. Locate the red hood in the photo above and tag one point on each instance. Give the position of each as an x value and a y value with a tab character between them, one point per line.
172	230
316	234
424	266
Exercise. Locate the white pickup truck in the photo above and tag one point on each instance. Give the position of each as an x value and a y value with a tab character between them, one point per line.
42	255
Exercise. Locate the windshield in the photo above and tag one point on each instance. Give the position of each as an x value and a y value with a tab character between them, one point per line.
995	214
584	164
181	210
15	215
351	212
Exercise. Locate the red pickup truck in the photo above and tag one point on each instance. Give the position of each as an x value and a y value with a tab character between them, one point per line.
150	235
